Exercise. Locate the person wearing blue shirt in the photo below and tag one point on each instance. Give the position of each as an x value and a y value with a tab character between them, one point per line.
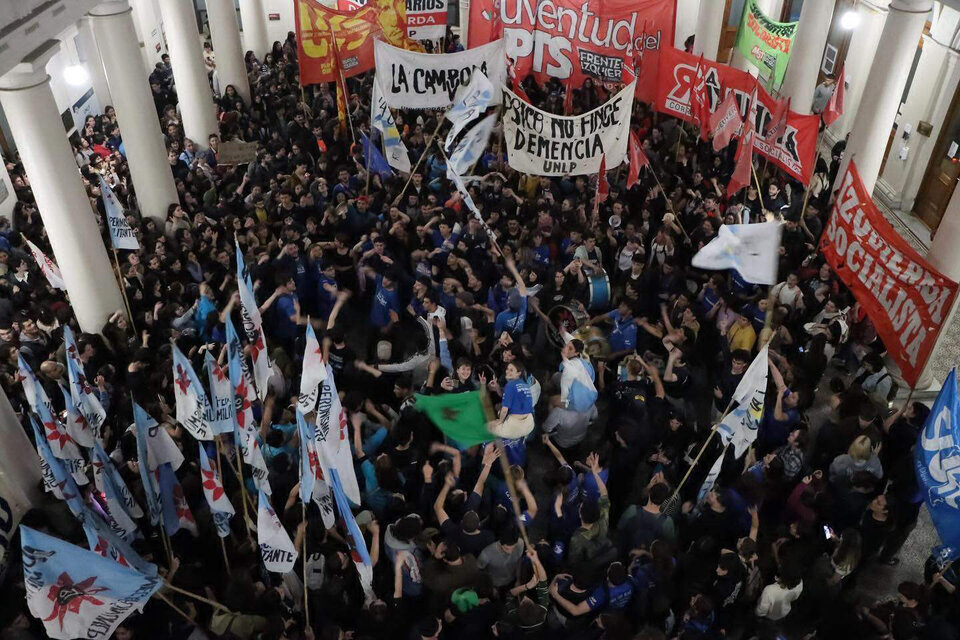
623	335
326	290
514	317
386	304
205	306
444	237
285	321
516	409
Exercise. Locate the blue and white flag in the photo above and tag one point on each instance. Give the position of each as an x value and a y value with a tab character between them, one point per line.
472	100
740	426
313	487
191	398
937	461
121	235
56	480
173	505
77	593
355	540
471	147
253	326
752	249
120	506
143	425
333	440
383	121
373	159
74	421
220	507
84	398
221	406
31	386
276	549
314	373
59	441
102	540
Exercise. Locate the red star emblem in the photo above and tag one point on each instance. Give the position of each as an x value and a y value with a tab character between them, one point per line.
54	434
314	461
343	425
218	373
210	484
68	597
104	549
183	511
182	380
257	347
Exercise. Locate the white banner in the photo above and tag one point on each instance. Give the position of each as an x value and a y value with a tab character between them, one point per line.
276	548
411	80
544	144
472	100
426	19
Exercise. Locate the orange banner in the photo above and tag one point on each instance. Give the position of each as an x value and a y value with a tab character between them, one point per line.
355	32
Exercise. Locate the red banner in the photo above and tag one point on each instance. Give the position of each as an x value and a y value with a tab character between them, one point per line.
906	299
795	152
575	39
355	32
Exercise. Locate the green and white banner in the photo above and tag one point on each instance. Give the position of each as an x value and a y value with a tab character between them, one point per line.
765	43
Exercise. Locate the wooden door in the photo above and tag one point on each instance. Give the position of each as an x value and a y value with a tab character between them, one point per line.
936	190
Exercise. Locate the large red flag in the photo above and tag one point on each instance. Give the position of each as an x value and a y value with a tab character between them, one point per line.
725	121
835	107
744	162
638	160
778	123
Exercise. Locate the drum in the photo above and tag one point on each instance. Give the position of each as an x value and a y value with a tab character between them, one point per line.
599	292
565	319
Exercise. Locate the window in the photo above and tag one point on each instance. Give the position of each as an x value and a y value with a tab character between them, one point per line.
829	59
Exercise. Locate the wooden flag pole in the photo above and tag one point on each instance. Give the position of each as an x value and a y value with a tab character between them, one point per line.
183	613
426	148
306	603
212	603
511	487
123	291
223	544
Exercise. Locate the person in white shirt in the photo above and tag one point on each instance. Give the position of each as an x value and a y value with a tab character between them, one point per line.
777	598
789	293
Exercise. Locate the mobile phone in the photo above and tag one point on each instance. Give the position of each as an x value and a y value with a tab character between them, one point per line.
827	531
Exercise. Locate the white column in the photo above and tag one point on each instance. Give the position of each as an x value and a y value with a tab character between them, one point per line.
146	19
225	33
709	28
19	472
800	80
93	63
884	87
31	111
931	91
189	73
464	8
871	16
254	18
136	113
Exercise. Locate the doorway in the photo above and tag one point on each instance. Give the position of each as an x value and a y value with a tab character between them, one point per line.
942	172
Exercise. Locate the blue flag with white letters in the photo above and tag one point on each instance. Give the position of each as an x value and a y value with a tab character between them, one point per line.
374	159
78	593
937	459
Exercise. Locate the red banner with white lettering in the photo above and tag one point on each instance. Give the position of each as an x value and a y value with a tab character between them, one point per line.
573	40
795	152
906	299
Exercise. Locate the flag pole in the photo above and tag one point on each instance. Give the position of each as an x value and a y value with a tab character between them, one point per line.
184	614
243	493
123	290
426	148
511	487
757	181
212	603
223	545
713	432
343	81
306	603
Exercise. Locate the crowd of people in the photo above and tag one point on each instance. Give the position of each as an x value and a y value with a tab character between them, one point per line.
409	296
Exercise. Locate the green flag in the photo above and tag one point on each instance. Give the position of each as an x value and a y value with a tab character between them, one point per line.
461	416
765	43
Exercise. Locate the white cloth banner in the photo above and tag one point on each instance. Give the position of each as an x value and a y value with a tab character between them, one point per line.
711	478
543	144
471	147
752	249
412	80
383	121
472	100
121	234
276	549
48	267
740	425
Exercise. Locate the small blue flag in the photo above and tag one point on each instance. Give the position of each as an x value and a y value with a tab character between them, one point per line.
373	159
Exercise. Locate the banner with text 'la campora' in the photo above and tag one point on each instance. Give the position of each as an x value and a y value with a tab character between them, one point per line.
906	299
544	144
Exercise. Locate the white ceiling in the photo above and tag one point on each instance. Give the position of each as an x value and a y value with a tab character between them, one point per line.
25	24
